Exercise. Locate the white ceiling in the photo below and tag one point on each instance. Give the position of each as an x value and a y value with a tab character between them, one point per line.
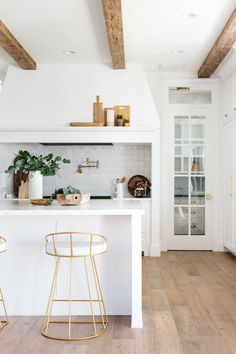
153	29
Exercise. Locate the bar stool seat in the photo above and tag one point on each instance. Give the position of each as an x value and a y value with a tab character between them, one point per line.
83	247
80	249
3	246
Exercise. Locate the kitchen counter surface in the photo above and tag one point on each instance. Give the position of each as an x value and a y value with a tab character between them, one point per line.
94	207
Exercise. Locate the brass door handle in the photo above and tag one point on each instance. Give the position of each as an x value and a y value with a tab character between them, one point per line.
208	196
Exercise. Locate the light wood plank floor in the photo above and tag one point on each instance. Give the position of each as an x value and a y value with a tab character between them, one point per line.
189	301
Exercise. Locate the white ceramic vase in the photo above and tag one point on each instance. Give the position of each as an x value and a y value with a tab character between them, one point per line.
35	185
119	190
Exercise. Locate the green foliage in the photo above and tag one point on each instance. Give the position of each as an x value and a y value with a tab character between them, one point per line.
48	165
119	116
66	190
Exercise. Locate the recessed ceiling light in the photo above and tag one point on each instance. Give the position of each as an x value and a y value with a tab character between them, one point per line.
69	52
176	51
188	15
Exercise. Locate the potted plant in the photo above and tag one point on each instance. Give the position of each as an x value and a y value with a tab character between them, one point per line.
36	167
70	196
126	123
120	120
65	191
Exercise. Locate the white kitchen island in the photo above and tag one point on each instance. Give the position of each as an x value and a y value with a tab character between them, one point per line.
25	269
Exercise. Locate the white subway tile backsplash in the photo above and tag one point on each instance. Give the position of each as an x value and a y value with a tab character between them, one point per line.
115	161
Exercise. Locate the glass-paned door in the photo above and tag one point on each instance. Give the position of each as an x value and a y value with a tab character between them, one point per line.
190	174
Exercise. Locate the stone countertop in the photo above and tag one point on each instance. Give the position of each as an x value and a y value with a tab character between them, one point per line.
93	207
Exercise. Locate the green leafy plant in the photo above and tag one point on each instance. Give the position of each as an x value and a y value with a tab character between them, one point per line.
48	165
126	121
119	116
65	190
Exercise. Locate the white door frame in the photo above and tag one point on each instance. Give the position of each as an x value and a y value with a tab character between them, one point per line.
213	164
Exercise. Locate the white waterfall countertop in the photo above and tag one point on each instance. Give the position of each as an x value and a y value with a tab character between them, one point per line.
26	269
93	207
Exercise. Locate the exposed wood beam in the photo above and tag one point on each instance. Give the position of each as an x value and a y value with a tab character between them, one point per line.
13	48
113	19
220	49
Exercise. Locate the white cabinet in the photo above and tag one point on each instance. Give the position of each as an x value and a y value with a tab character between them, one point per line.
229	97
233	95
227	86
229	185
146	227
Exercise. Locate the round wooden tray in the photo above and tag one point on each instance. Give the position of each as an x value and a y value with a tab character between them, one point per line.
132	185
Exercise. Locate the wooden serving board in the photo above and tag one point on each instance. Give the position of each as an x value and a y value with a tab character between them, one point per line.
98	112
17	178
84	124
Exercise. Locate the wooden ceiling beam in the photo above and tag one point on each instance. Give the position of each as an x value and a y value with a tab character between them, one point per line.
220	49
114	27
13	48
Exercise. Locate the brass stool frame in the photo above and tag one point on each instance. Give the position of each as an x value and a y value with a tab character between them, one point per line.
103	316
5	321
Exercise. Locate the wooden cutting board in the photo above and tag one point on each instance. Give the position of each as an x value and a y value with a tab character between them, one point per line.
23	191
17	178
84	124
98	112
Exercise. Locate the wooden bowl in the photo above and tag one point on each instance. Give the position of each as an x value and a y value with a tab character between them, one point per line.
133	182
42	201
73	199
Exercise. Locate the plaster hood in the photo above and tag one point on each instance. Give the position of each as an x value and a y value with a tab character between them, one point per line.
56	94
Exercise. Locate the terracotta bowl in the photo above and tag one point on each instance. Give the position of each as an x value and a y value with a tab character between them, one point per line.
73	199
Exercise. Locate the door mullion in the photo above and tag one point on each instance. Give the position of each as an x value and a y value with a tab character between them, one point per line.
189	177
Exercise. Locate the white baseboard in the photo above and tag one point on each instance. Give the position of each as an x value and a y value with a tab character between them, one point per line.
155	250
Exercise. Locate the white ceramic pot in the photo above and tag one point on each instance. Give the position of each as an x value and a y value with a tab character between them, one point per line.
35	185
119	190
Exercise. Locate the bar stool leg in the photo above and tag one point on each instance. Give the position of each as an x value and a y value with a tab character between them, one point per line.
69	300
5	321
99	293
51	296
90	298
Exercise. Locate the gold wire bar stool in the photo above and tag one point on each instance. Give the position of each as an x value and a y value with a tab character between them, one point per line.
72	245
4	321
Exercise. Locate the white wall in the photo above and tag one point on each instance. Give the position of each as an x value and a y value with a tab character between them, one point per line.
56	94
